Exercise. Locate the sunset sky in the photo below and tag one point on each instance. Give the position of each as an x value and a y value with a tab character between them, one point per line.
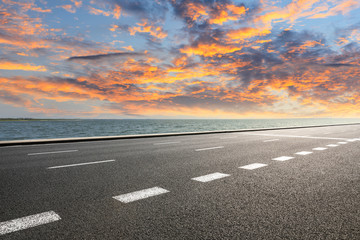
179	58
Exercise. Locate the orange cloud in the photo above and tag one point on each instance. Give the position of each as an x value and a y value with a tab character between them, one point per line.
247	32
37	9
77	3
227	13
144	27
26	6
215	14
70	8
196	10
209	49
117	11
98	11
342	8
129	48
307	44
21	66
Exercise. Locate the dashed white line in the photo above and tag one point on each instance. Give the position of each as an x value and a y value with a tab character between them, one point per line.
352	140
210	177
332	145
283	158
291	136
253	166
138	195
28	222
81	164
64	151
319	149
210	148
164	143
342	142
271	140
303	153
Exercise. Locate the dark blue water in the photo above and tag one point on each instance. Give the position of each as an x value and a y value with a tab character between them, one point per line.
16	130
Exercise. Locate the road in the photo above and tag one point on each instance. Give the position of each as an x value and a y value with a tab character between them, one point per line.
276	184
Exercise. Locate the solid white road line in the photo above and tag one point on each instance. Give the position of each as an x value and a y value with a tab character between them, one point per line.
163	143
283	158
332	145
28	222
210	148
291	136
253	166
81	164
342	142
319	149
271	140
210	177
303	153
138	195
65	151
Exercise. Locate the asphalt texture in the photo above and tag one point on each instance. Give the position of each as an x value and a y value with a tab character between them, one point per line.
313	196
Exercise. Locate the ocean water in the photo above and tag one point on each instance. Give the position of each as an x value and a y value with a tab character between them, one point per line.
42	129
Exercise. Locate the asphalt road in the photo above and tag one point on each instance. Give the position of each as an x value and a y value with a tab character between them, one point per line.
278	184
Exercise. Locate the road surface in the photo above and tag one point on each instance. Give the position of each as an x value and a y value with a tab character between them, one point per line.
276	184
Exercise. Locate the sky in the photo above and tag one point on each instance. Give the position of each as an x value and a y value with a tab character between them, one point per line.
179	58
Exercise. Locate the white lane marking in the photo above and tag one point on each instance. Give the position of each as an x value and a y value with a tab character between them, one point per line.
210	148
291	136
28	222
271	140
81	164
332	145
163	143
138	195
253	166
303	153
283	158
342	142
210	177
65	151
228	137
319	149
352	140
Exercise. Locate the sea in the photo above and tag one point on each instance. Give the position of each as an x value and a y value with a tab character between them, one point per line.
45	129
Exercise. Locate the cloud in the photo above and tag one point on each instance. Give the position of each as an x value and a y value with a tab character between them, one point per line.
115	12
208	49
247	32
336	65
129	48
104	56
211	57
211	12
96	11
143	9
68	7
145	27
9	98
6	65
77	3
342	7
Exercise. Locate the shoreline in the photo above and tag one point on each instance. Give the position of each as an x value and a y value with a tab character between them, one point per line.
119	137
